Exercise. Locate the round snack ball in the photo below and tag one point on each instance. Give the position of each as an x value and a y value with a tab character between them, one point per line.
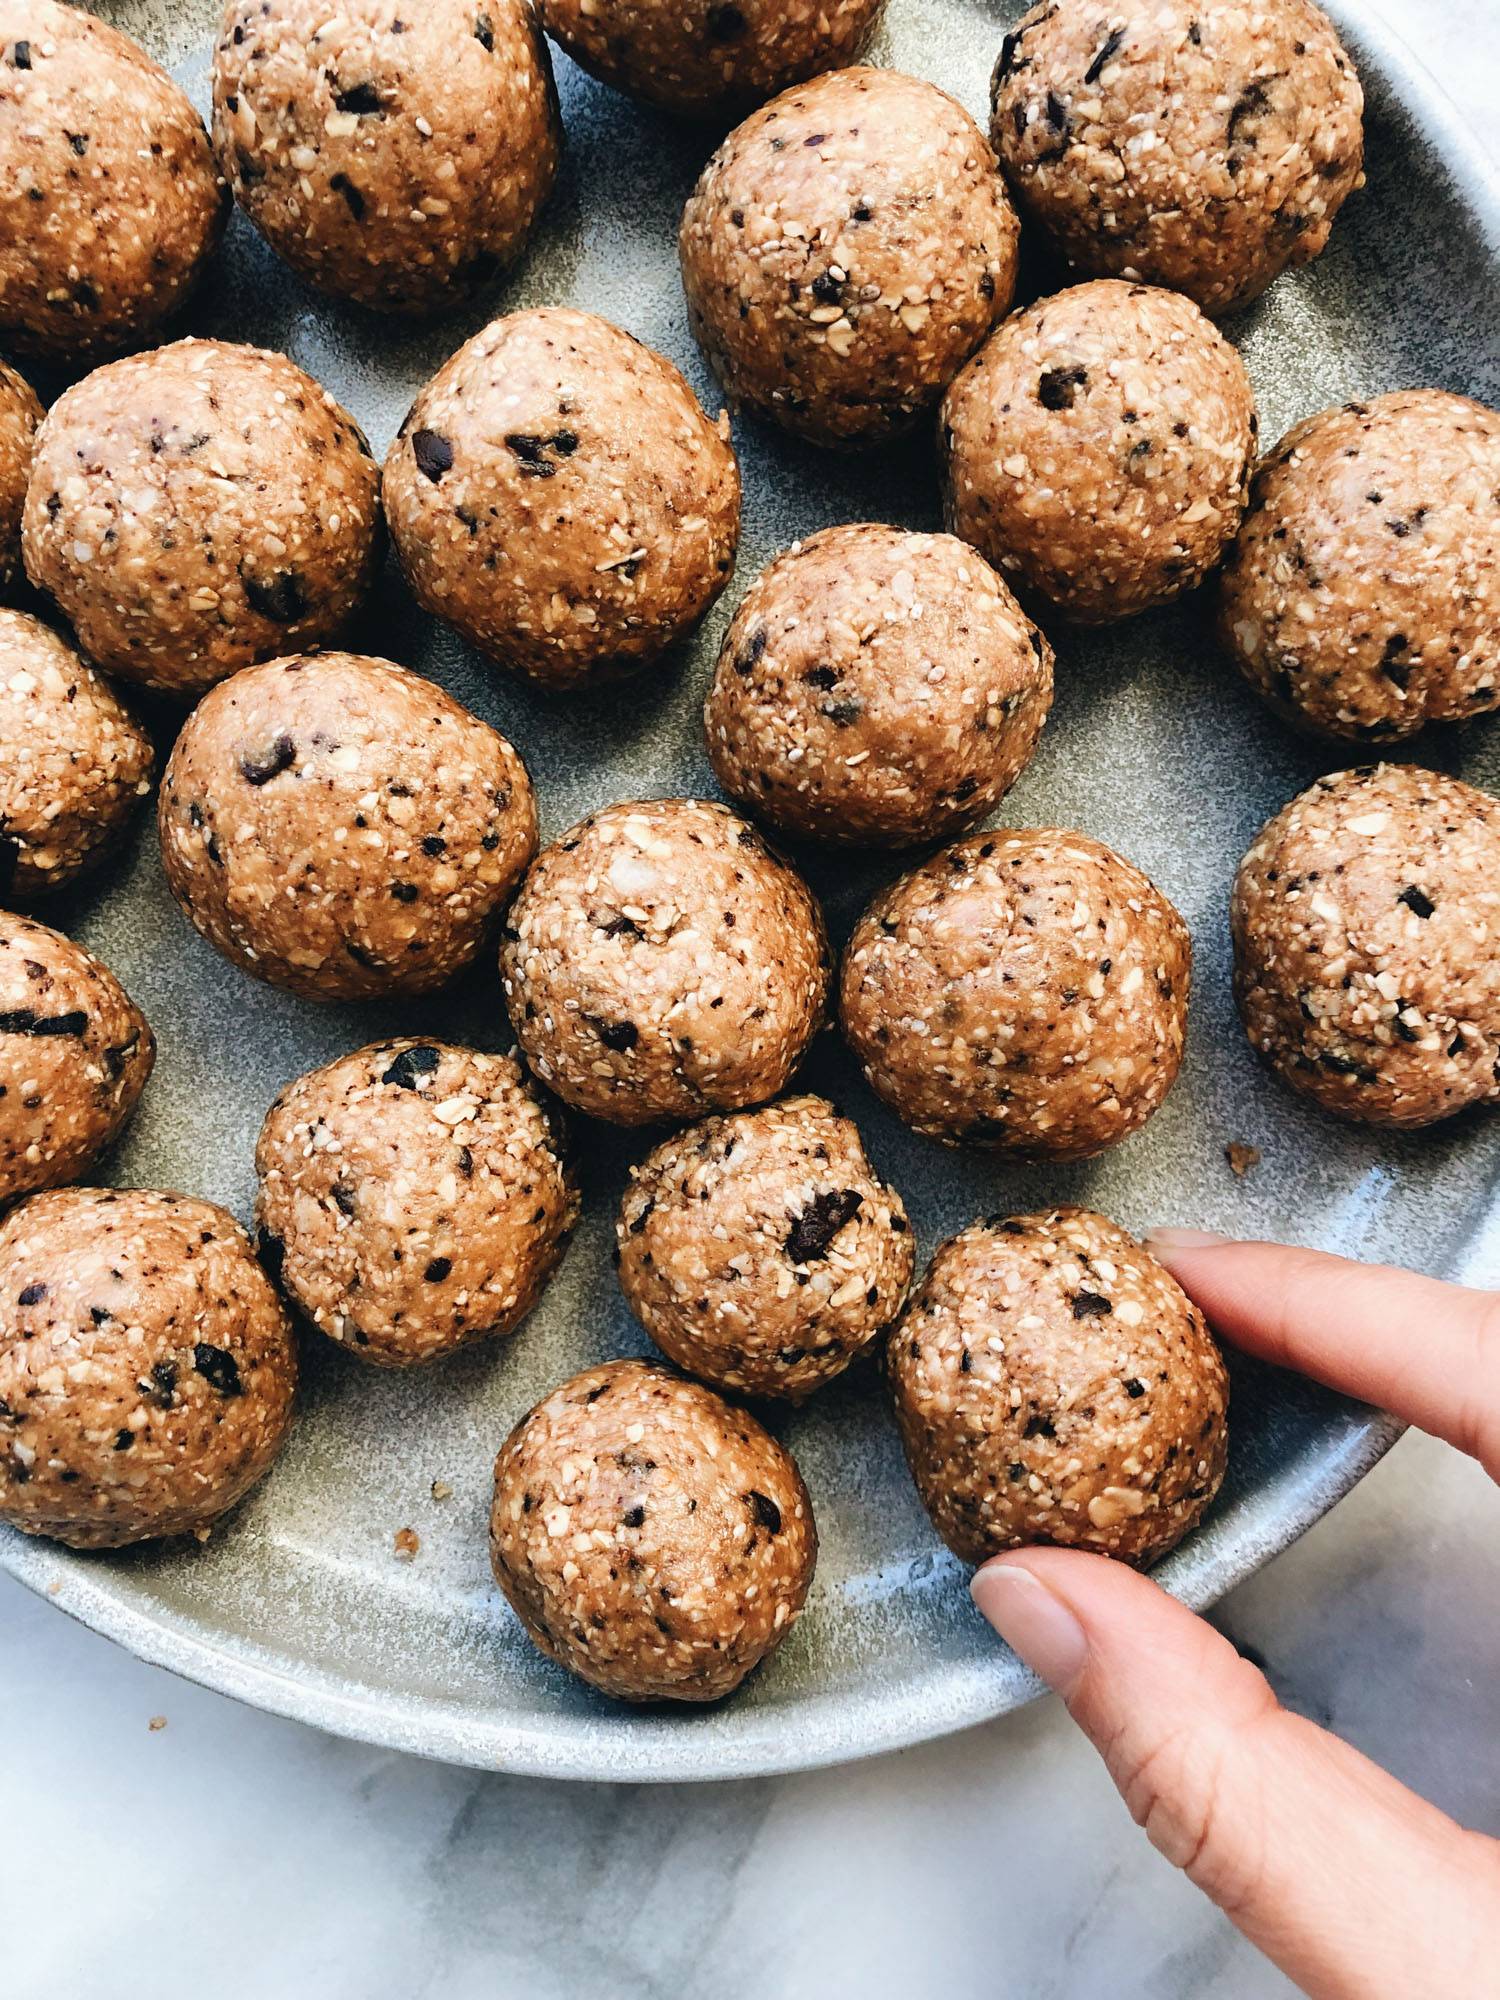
147	1368
200	507
877	688
107	182
343	828
660	961
75	1053
1098	449
1197	144
650	1537
76	763
762	1251
705	56
844	251
559	497
413	1198
1364	920
1054	1384
396	159
1360	597
1026	991
20	415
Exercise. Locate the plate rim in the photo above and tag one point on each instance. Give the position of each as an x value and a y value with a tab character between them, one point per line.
663	1751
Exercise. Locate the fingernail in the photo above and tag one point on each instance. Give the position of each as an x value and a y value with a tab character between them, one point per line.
1033	1622
1182	1239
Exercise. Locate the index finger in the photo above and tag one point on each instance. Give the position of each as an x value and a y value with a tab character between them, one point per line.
1428	1351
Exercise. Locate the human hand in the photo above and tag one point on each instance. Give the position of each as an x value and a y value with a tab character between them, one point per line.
1355	1887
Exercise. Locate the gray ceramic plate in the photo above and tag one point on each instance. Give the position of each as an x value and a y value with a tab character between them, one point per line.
297	1604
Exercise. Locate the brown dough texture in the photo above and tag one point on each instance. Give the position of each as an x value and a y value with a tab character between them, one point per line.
1054	1384
343	828
413	1198
706	56
396	157
1204	145
1361	596
1098	449
876	689
650	1537
1026	991
75	1053
844	252
20	417
660	962
198	508
110	203
76	762
559	497
1366	923
762	1251
147	1368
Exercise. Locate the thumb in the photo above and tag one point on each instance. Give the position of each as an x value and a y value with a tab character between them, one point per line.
1353	1885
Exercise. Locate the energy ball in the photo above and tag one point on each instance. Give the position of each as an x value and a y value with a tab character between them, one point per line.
396	159
1198	144
707	56
660	962
1098	449
876	689
198	508
1360	597
413	1198
76	762
147	1368
343	828
75	1053
111	200
20	416
762	1251
558	496
1365	918
1054	1384
844	251
1025	991
651	1538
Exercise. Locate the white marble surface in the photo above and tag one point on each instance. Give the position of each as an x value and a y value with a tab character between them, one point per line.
230	1856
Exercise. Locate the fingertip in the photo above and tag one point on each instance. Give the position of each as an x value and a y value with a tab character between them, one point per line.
1040	1628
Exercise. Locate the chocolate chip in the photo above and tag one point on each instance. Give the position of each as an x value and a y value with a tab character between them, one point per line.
405	892
616	1035
343	1198
1134	1388
438	1269
22	1021
765	1510
79	141
1417	901
484	31
1038	1425
842	713
825	1215
745	659
726	24
532	452
1057	388
164	1381
124	1440
32	1294
20	55
821	677
360	98
282	599
354	201
1110	48
260	770
1250	103
633	1517
272	1253
826	288
219	1369
1090	1305
433	453
1008	49
409	1065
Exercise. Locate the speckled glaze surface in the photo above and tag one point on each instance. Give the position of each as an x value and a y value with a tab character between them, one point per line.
1155	746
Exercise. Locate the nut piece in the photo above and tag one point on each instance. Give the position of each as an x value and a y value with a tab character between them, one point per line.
1026	991
876	688
397	157
762	1251
1361	596
1198	144
77	762
844	252
660	961
146	1366
650	1538
198	508
1365	918
1098	447
559	497
413	1198
343	828
75	1053
20	416
110	167
1054	1384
